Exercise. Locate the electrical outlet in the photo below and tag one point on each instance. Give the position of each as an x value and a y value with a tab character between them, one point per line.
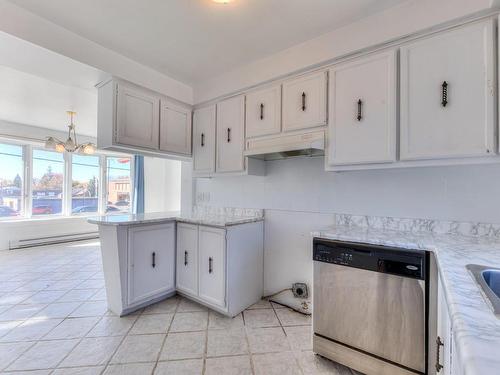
300	290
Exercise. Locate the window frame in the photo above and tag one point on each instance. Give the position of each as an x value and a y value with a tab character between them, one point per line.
22	214
64	187
66	211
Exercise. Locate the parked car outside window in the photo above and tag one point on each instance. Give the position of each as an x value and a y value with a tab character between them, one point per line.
42	210
7	211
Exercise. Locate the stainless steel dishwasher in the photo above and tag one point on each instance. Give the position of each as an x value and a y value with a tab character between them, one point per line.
370	307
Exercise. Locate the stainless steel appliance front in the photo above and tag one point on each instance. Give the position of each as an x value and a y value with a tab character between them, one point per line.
371	320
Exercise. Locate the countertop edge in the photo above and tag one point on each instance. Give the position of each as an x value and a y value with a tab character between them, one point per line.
221	223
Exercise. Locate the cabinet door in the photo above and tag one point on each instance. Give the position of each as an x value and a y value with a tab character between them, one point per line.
151	261
204	140
362	126
137	117
448	93
175	129
304	102
263	112
212	260
230	135
444	339
187	258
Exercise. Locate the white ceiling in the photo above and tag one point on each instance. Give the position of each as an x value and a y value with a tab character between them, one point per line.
192	40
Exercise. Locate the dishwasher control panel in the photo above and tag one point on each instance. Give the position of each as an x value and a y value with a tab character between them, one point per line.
395	261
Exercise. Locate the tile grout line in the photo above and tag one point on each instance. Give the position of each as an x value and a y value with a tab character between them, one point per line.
78	343
35	342
205	352
105	366
166	335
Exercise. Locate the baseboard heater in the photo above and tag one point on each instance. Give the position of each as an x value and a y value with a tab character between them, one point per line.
51	240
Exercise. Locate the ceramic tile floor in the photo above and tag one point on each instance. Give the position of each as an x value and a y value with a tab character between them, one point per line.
54	320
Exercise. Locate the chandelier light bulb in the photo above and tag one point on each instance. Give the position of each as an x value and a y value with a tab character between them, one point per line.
71	144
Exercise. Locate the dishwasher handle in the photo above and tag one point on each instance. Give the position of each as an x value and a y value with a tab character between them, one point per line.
412	269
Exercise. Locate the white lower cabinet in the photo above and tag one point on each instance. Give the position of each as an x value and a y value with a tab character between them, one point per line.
187	258
212	270
151	254
221	267
446	361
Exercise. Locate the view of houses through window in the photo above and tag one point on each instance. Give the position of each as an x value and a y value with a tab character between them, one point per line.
11	180
48	182
118	184
85	184
53	183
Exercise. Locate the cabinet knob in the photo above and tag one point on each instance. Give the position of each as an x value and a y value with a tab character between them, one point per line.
228	135
185	258
210	265
202	139
262	111
303	101
153	263
439	344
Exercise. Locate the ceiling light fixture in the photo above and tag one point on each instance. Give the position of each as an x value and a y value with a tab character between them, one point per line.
222	1
71	144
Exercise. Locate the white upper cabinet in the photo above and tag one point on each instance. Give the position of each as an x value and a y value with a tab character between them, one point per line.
304	102
137	122
230	135
204	140
362	126
448	94
175	128
263	112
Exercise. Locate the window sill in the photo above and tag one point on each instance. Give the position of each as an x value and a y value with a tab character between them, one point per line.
44	219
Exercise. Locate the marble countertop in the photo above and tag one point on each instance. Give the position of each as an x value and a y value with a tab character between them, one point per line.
210	219
475	328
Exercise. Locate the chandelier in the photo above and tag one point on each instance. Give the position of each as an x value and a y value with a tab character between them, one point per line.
71	144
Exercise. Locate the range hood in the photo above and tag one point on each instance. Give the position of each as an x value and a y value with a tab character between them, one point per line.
310	143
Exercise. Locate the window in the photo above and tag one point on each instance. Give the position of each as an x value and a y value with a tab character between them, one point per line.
62	184
11	180
118	185
48	182
84	184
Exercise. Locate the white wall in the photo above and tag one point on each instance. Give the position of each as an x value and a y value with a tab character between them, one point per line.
388	25
162	185
19	22
36	101
32	229
299	196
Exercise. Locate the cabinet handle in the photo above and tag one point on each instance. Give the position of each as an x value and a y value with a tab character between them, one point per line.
439	343
444	94
262	111
360	108
202	139
210	266
185	258
303	101
154	259
228	135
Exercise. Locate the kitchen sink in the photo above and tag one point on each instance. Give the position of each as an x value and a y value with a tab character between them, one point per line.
488	279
